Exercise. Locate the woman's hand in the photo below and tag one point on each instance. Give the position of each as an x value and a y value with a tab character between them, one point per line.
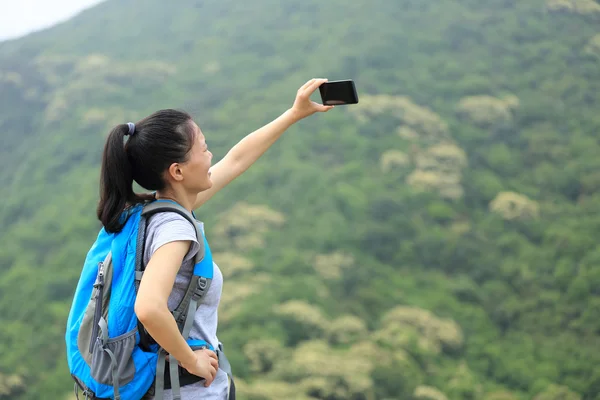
205	366
303	105
253	146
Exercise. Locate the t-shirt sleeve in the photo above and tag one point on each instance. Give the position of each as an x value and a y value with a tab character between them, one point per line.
170	227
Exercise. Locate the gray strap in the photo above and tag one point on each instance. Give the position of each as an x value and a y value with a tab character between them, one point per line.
174	372
138	276
103	330
189	319
196	291
159	383
225	366
113	360
173	364
228	387
193	291
115	372
139	251
182	308
224	362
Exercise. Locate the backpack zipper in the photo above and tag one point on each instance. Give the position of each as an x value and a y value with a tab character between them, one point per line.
99	286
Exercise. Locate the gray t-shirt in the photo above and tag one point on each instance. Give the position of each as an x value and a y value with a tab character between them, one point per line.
168	227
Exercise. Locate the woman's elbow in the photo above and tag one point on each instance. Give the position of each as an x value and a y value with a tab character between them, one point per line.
147	311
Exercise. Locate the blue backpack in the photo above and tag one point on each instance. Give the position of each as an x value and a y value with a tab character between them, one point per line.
110	355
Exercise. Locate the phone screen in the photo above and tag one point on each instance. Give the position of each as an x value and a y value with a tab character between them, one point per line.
338	92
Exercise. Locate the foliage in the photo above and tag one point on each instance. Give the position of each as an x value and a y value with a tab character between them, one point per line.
575	6
514	206
429	393
593	46
487	111
11	386
555	392
435	241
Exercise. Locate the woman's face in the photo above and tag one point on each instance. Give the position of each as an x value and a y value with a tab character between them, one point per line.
197	167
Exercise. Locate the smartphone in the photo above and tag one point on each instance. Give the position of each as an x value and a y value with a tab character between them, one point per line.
338	93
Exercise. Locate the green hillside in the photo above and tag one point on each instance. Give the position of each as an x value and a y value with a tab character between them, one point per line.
436	241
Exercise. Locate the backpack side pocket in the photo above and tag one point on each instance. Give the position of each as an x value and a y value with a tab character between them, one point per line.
97	308
112	361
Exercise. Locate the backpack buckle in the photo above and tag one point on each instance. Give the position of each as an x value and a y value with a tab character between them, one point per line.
201	287
87	393
202	283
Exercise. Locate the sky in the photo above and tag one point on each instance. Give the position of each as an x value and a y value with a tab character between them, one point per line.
20	17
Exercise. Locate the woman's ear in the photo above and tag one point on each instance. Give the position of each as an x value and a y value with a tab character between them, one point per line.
175	173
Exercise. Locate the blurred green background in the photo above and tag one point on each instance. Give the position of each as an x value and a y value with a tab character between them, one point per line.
437	241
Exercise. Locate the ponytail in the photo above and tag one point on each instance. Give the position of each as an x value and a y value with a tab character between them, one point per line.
116	181
154	143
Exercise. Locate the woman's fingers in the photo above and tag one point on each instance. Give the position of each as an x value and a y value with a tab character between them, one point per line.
307	84
321	107
309	87
213	375
313	86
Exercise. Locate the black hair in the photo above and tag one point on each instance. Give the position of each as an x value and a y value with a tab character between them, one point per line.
159	140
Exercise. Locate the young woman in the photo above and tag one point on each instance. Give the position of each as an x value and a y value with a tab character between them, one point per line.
167	153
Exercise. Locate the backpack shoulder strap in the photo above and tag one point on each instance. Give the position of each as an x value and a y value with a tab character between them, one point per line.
197	288
200	281
159	206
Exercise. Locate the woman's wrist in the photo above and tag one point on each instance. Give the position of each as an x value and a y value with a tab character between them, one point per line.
292	116
190	360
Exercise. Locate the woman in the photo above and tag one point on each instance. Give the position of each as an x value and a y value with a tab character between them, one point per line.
167	153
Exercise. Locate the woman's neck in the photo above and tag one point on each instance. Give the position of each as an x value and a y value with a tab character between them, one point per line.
182	199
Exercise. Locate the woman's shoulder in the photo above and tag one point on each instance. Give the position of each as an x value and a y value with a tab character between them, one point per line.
170	223
167	216
166	227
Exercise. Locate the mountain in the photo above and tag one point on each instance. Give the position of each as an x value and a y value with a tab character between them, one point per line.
435	241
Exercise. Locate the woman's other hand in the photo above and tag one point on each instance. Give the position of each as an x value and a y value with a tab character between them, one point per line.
205	366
